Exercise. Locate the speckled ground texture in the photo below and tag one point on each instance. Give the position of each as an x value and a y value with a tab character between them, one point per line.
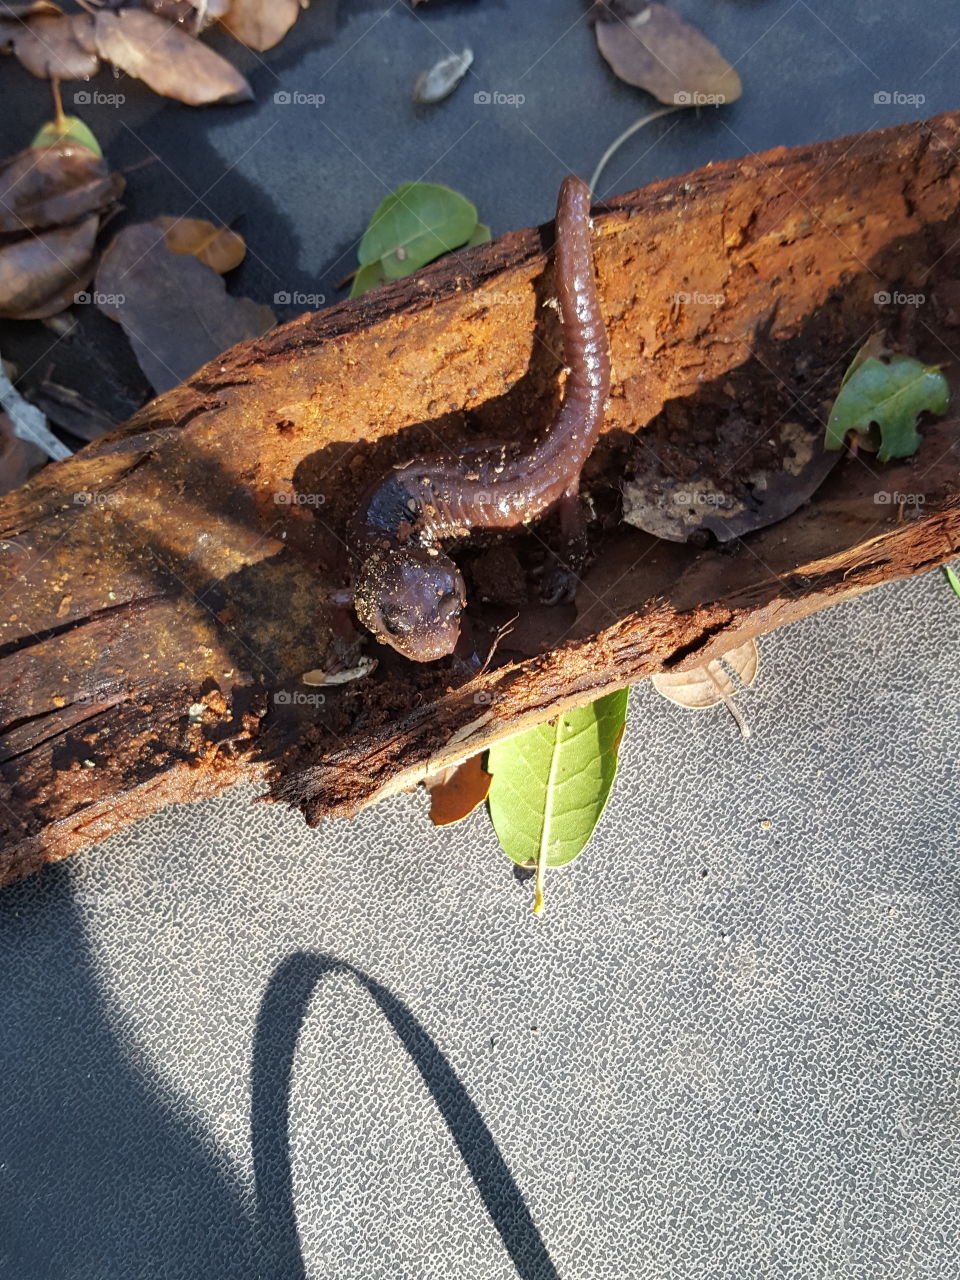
234	1047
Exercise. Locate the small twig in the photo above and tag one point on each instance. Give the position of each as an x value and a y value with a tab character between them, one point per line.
57	104
734	710
627	133
504	631
28	422
139	164
728	698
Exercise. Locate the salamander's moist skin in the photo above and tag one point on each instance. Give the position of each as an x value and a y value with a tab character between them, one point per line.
407	591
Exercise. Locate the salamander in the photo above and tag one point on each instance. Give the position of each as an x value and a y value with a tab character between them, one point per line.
407	591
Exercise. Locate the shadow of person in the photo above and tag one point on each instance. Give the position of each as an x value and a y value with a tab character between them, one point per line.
282	1012
101	1172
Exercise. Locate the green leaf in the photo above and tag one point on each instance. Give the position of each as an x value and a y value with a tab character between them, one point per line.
414	225
367	278
892	395
69	129
874	346
952	579
481	235
551	783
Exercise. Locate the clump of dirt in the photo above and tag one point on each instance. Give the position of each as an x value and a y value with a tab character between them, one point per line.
496	576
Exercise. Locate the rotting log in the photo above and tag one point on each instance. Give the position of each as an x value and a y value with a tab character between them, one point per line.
163	591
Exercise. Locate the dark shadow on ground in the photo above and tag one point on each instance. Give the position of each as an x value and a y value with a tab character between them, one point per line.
281	1016
99	1175
103	1174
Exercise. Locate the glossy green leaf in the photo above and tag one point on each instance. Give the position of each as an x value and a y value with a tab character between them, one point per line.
414	225
367	278
551	783
69	129
892	395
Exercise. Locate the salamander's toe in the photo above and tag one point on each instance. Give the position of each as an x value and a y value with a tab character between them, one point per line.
558	585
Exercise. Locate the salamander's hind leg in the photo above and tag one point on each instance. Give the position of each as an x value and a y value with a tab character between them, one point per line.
561	573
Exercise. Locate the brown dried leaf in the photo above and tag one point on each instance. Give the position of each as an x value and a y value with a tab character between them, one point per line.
51	44
656	50
261	24
456	792
175	311
32	9
49	186
216	247
711	684
674	509
40	274
167	59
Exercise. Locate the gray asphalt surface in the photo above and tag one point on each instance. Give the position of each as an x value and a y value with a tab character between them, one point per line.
234	1047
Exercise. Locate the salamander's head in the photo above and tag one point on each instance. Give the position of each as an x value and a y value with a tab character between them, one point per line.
411	599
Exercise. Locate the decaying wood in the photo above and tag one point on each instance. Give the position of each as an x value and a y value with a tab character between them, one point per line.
164	590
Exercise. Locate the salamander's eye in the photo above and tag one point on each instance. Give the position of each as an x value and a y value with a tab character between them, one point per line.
448	604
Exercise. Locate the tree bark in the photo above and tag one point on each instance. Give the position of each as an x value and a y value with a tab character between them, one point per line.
164	591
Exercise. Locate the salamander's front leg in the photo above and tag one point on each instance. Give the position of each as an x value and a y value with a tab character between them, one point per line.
561	573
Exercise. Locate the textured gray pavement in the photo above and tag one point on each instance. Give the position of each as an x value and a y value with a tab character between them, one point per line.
729	1049
234	1047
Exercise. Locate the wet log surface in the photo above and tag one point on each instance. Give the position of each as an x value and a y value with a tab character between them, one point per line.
163	592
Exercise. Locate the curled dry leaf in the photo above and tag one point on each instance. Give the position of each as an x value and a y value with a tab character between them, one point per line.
29	10
216	247
40	274
456	792
52	199
711	684
54	44
175	311
154	42
167	59
442	78
47	186
261	23
652	47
